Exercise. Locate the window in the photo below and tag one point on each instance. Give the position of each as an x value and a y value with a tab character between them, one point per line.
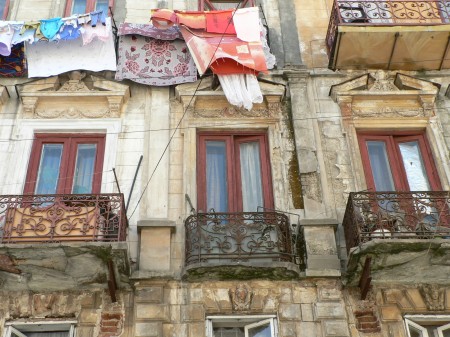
398	163
233	172
40	329
428	326
65	163
241	326
87	6
4	8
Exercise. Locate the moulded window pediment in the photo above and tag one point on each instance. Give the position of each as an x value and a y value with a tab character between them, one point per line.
73	95
381	95
209	100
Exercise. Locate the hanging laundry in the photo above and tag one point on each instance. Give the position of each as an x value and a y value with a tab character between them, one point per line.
191	19
50	27
224	54
150	31
246	23
51	58
89	33
70	30
14	65
152	56
271	61
241	90
96	16
6	36
84	19
163	18
220	22
30	33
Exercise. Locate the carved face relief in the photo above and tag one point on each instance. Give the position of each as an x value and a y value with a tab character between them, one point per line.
241	297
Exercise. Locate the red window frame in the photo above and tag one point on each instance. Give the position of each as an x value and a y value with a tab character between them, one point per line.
90	6
5	10
395	159
68	160
232	141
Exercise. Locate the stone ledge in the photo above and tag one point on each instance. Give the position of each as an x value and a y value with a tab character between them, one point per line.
242	271
156	223
154	274
319	222
323	273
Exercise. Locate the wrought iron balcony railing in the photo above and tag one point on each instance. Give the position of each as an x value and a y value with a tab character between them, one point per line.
239	237
58	218
386	13
396	215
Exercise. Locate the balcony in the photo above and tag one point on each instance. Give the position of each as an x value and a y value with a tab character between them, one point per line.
242	246
58	218
63	242
389	35
401	232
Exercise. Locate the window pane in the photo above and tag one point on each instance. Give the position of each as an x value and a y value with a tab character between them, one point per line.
216	176
260	331
79	6
48	334
414	167
84	168
252	195
48	174
102	5
379	163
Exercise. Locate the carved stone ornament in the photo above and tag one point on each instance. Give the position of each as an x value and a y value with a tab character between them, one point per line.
379	94
434	296
81	96
382	82
241	297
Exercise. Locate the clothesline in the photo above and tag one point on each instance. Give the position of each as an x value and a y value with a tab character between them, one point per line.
169	52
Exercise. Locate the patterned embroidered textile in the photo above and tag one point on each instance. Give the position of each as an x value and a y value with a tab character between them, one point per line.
14	65
150	31
152	61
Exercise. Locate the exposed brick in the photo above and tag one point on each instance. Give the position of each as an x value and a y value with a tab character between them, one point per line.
109	329
111	316
110	323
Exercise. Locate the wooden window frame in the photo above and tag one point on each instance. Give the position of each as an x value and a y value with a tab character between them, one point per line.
68	159
232	141
5	10
90	6
395	160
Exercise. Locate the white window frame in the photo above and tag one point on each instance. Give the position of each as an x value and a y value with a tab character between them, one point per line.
18	327
253	322
416	320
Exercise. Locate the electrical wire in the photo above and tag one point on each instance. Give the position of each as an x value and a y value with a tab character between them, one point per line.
184	114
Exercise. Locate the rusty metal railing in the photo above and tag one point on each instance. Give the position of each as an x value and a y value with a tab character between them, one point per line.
58	218
396	215
385	13
239	237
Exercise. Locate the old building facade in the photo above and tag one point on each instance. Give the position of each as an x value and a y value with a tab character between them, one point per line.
321	211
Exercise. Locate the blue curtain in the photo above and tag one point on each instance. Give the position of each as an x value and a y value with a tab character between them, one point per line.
79	6
379	162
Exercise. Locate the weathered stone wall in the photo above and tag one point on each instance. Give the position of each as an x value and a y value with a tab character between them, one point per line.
303	308
94	312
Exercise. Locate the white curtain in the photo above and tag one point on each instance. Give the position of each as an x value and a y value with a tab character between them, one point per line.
252	194
216	176
414	167
84	168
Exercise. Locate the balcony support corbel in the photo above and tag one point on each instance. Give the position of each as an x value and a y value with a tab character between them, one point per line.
445	53
393	50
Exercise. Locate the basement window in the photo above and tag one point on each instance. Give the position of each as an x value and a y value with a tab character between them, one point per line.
427	325
241	326
40	329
